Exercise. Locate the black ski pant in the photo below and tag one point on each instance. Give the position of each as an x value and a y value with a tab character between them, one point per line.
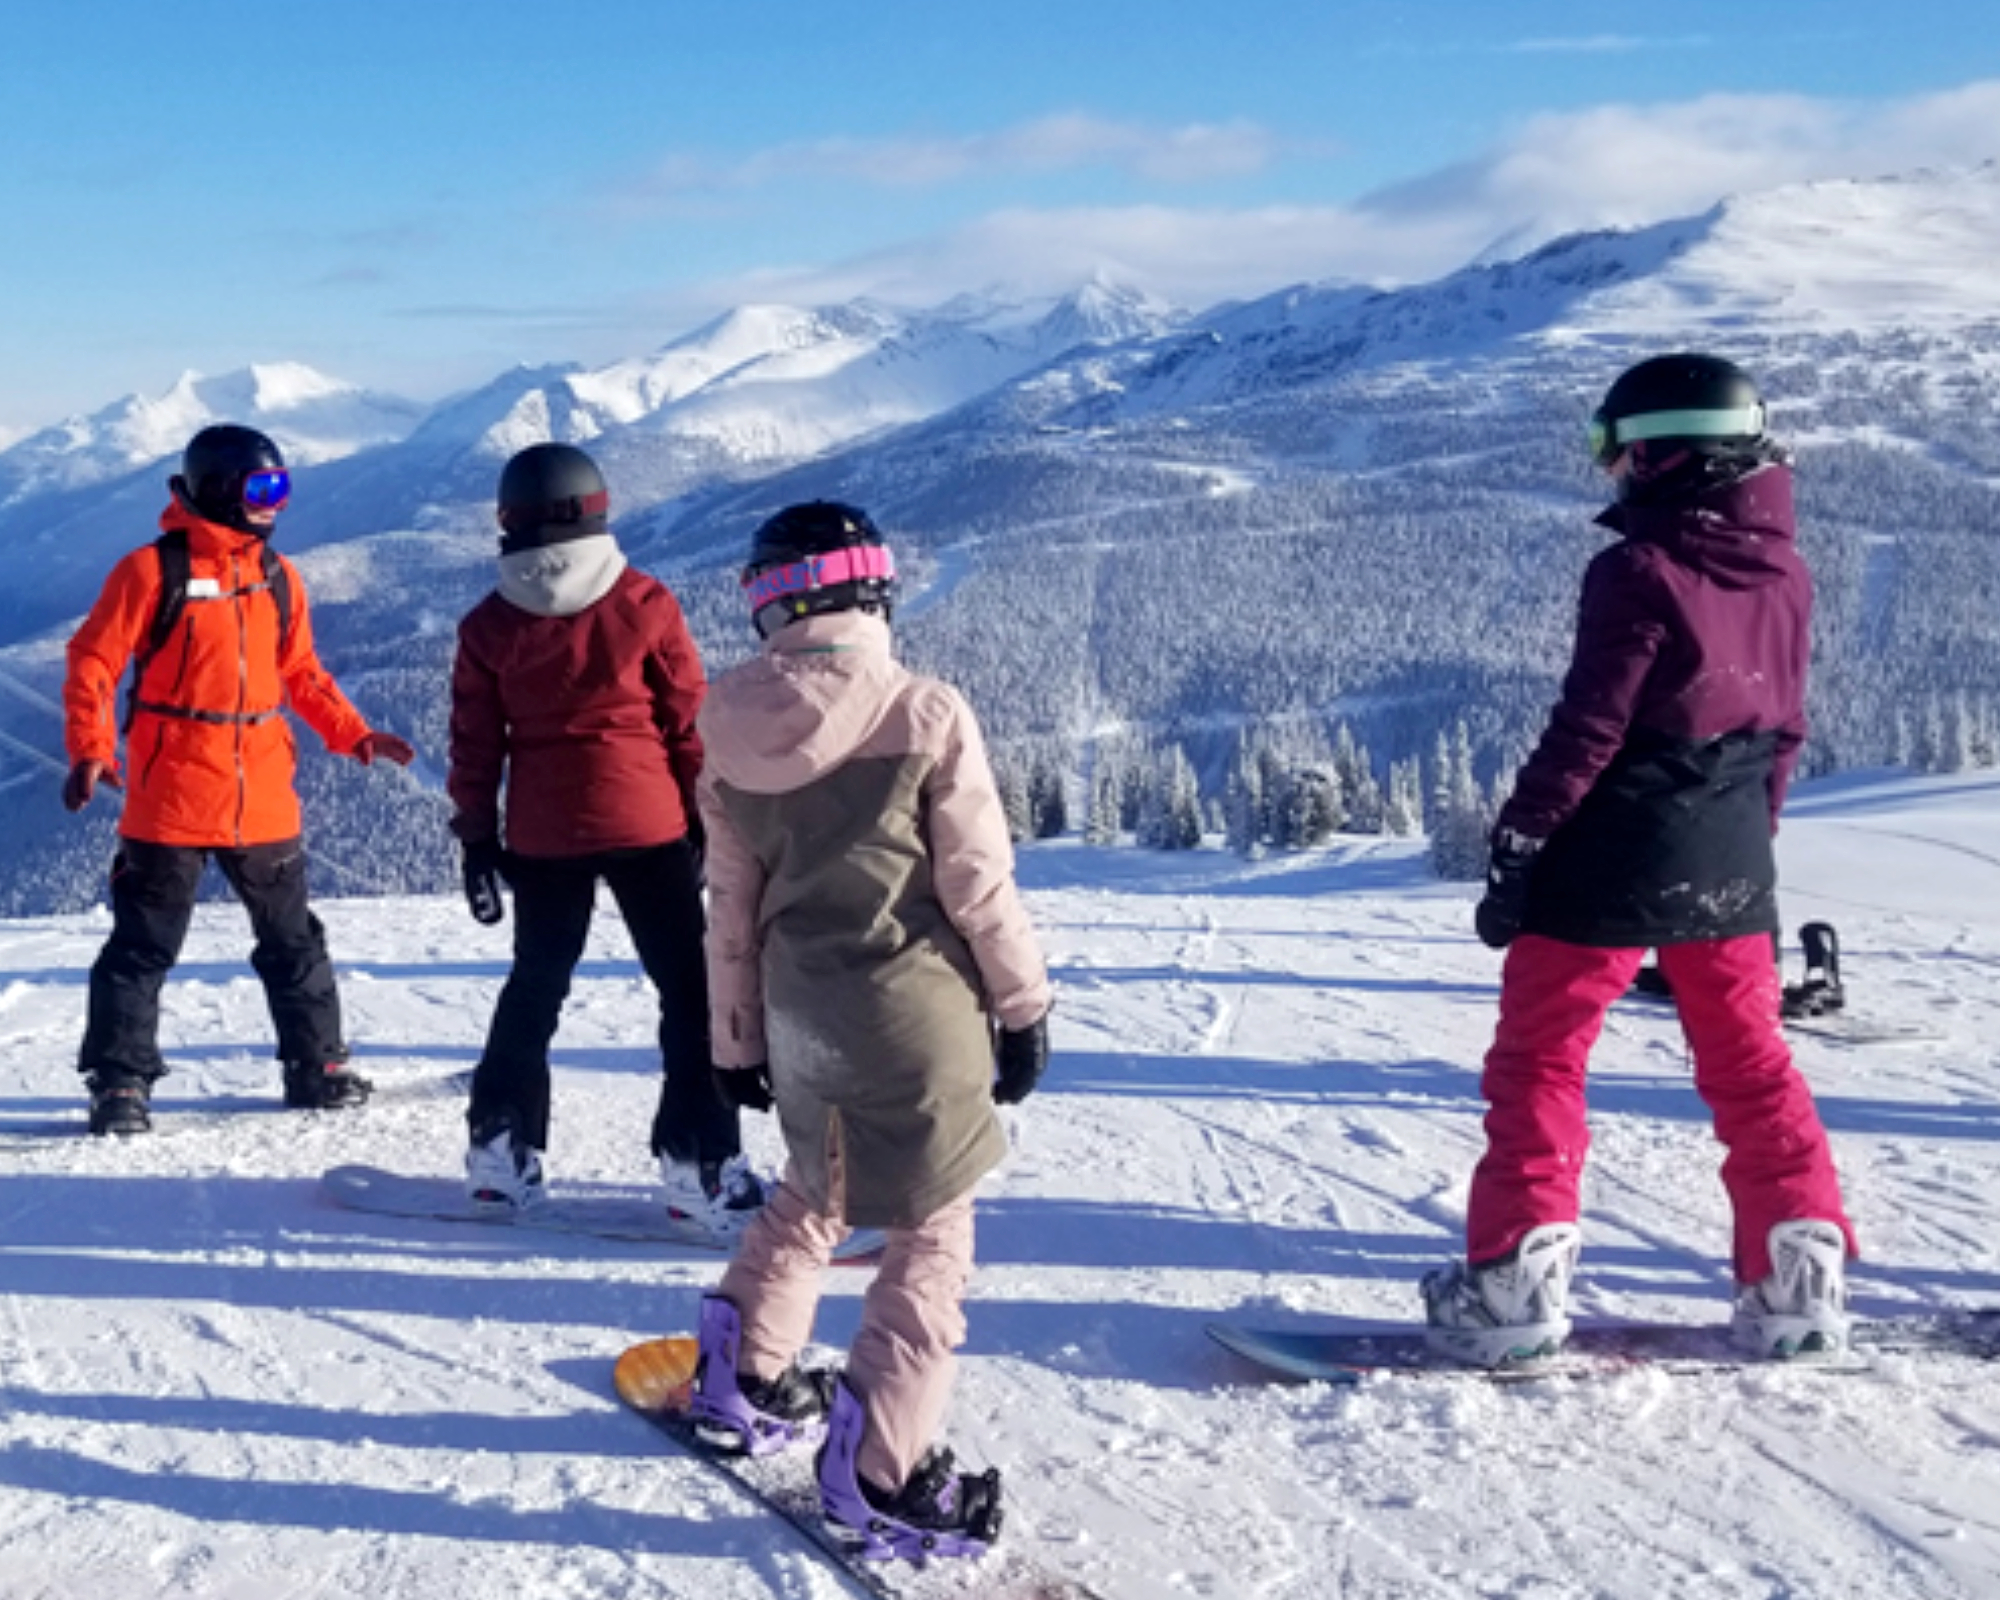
660	897
152	901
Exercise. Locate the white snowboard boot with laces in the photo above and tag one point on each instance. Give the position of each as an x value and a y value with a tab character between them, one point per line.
719	1198
502	1171
1801	1309
1509	1311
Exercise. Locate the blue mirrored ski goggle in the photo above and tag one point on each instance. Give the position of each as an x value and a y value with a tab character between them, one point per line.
267	491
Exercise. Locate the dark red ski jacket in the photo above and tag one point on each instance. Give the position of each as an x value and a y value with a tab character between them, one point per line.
589	718
1659	779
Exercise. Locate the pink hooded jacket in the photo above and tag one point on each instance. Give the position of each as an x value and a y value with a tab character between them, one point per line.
864	929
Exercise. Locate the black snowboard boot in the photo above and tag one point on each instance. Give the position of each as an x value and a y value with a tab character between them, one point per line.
935	1512
120	1104
1820	994
328	1086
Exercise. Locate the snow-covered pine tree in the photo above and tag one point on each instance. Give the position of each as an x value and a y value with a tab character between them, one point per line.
1403	813
1360	793
1458	840
1100	822
1013	790
1172	818
1243	800
1313	810
1048	804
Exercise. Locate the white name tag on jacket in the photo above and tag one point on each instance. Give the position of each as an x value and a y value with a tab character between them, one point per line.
204	589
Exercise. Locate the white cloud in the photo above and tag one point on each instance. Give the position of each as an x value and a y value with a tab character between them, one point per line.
1609	166
1193	153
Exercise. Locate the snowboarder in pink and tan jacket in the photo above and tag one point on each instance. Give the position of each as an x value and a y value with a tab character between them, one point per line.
872	974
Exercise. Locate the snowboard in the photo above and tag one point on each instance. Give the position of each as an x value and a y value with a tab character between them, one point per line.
1600	1350
655	1379
1815	1007
1840	1027
173	1116
631	1217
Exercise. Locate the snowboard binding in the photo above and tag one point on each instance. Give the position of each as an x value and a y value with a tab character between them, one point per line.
937	1512
1820	994
745	1417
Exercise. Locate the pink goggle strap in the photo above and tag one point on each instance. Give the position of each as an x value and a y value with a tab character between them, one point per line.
819	572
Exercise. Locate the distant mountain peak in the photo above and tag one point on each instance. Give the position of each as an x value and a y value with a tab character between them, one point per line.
313	417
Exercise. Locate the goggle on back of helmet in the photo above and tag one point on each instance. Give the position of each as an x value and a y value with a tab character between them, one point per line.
837	580
1609	436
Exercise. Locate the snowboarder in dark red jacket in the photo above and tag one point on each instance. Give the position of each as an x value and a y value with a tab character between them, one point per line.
1644	818
577	684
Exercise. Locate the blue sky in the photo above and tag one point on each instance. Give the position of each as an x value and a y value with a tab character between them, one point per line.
416	195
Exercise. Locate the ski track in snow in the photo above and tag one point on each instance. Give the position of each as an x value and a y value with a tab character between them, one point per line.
1264	1105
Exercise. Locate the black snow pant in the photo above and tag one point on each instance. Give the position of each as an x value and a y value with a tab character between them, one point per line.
152	901
660	897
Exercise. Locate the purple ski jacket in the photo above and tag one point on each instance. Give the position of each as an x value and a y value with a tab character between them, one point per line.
1659	779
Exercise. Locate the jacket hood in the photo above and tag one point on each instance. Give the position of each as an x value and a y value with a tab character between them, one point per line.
799	710
205	537
1741	534
559	580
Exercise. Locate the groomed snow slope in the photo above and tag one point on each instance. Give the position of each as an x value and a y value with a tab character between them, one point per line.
1264	1104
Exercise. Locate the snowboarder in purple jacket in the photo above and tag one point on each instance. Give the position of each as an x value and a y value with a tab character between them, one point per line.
1644	819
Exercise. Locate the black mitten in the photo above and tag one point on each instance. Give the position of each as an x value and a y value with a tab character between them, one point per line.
1019	1060
485	863
745	1088
1505	907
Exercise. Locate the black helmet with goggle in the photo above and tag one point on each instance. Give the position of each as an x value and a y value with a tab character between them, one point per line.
814	558
1693	402
228	472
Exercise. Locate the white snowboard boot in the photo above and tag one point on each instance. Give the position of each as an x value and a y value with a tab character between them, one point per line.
718	1198
1801	1309
502	1171
1509	1311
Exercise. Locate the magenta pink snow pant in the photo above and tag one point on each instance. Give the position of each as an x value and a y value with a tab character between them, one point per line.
1553	997
901	1364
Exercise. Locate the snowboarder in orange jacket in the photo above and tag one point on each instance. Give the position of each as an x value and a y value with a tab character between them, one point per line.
217	622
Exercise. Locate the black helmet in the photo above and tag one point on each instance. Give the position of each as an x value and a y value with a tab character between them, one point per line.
1695	402
551	494
817	557
217	466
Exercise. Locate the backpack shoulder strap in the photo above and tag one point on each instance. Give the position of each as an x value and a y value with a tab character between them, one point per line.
176	566
175	569
278	578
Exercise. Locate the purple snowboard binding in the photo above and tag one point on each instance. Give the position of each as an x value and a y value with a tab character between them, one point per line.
936	1513
780	1415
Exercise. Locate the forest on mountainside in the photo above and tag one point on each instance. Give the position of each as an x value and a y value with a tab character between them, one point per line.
1146	602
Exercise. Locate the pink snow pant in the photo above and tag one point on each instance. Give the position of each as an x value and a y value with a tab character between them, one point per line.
1553	997
901	1364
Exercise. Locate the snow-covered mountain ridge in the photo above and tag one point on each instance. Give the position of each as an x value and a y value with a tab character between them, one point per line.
319	419
1127	525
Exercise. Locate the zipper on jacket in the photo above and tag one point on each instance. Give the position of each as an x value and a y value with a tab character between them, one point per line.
187	658
242	688
153	760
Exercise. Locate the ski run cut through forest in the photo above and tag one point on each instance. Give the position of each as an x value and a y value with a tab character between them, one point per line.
1263	1108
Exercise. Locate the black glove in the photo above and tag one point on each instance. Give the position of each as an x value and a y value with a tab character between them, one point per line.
697	843
1505	907
1019	1060
745	1088
485	870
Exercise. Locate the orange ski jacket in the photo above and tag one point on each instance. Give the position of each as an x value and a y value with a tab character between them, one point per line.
209	754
